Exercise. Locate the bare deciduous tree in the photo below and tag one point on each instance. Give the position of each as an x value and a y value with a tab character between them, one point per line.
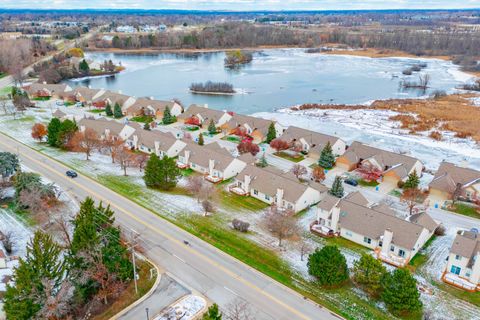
124	158
195	185
112	145
239	310
85	141
281	223
8	240
298	170
207	206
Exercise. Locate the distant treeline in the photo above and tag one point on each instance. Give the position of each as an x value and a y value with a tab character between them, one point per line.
212	87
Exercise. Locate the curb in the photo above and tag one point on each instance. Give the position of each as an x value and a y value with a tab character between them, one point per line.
145	296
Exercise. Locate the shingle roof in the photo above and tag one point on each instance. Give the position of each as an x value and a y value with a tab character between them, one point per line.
37	86
448	175
358	198
59	114
328	202
202	155
424	220
114	97
253	122
99	126
206	113
372	223
316	140
143	103
86	93
148	139
466	244
401	164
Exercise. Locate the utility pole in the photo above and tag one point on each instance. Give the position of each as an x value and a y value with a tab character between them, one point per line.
132	247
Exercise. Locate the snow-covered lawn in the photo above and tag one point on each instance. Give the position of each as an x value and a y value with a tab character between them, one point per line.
187	308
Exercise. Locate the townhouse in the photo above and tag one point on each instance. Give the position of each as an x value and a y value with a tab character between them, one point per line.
38	90
202	115
87	95
313	142
107	128
275	187
394	240
257	128
112	98
154	108
452	181
160	143
395	167
211	160
463	267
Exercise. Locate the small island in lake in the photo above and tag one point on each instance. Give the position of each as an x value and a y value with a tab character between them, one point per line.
209	87
236	58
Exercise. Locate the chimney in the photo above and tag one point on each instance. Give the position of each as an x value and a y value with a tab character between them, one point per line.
206	105
157	148
335	219
187	156
387	241
211	166
247	181
135	141
279	197
44	82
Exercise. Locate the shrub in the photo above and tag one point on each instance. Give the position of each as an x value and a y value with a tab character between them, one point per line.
440	231
240	225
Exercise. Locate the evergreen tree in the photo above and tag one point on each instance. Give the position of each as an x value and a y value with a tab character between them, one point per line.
337	187
108	110
369	272
200	140
412	182
211	127
84	67
263	161
66	132
42	264
26	181
213	313
53	131
117	111
327	159
329	266
400	292
272	133
9	164
167	116
146	126
161	173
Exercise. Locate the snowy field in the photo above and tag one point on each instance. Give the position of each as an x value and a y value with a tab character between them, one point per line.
187	308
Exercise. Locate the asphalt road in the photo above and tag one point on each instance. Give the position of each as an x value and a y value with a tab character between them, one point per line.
202	267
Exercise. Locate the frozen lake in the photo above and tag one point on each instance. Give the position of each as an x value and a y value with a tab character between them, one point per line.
276	78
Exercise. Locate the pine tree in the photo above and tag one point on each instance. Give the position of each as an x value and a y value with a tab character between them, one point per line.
327	159
66	132
9	164
53	131
272	133
146	126
213	313
369	272
211	127
167	116
200	140
108	110
400	292
337	187
84	67
117	111
43	263
328	266
263	161
161	173
412	182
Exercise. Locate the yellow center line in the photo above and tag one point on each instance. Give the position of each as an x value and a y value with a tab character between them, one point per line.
160	232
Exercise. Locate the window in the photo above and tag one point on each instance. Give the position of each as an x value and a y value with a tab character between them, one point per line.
401	253
255	192
380	243
367	240
467	274
348	234
392	248
457	257
455	270
267	197
193	165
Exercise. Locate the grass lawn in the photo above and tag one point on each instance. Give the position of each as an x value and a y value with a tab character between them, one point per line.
192	128
420	258
41	98
96	110
466	210
367	183
235	202
186	172
289	157
233	139
472	297
129	296
142	119
6	90
341	242
23	119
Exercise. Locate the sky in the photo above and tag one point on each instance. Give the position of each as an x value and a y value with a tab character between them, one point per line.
241	5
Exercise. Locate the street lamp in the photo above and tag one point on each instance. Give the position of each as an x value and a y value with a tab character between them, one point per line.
146	310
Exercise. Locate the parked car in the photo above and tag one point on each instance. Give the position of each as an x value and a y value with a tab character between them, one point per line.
351	182
72	174
78	104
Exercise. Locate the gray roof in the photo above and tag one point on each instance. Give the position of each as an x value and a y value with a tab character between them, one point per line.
358	198
114	97
86	93
328	202
99	126
202	155
316	140
253	122
143	103
149	137
206	113
37	86
424	220
390	161
371	223
449	175
466	244
59	114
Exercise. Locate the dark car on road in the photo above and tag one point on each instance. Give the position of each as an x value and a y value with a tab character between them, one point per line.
351	182
72	174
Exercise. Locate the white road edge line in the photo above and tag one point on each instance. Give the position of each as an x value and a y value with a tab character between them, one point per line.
230	290
173	254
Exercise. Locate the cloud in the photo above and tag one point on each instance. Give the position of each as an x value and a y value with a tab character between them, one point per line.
243	5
